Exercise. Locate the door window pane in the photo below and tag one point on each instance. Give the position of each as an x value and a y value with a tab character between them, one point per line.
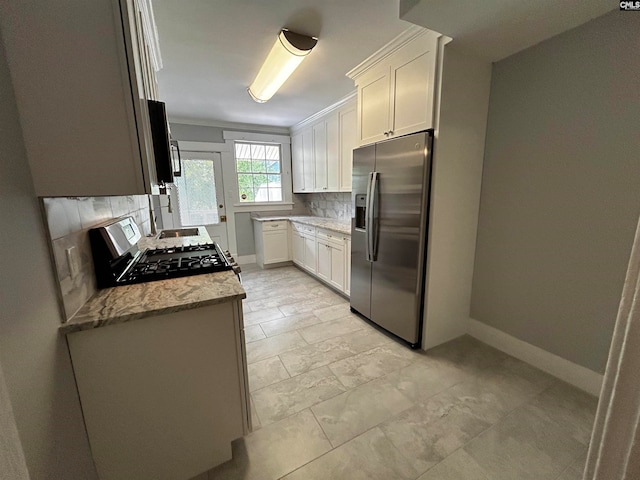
196	189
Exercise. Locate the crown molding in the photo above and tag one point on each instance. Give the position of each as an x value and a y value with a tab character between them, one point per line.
394	45
325	111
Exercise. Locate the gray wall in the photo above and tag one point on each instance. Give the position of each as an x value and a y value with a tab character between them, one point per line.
33	356
244	234
12	464
560	185
196	133
205	133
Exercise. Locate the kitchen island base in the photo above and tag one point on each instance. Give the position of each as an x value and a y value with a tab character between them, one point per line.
163	396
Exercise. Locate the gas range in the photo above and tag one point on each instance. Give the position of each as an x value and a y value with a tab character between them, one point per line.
163	263
118	261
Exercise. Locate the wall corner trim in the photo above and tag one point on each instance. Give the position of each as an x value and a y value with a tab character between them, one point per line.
576	375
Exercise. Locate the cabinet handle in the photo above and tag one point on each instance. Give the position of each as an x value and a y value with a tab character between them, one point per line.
324	188
385	133
390	132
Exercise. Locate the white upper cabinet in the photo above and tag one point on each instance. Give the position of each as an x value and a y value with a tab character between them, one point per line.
412	89
333	167
373	106
320	155
396	87
348	141
308	161
322	149
296	156
81	77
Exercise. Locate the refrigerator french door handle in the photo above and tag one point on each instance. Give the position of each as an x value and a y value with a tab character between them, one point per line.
373	249
368	224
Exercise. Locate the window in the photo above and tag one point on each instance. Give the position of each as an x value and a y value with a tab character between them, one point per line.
259	169
197	193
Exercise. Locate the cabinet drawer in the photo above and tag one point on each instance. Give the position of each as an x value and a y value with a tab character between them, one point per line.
299	227
331	237
274	225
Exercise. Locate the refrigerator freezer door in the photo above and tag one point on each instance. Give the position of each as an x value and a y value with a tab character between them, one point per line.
360	297
397	286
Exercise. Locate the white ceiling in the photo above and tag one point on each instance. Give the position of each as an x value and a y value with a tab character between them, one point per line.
212	49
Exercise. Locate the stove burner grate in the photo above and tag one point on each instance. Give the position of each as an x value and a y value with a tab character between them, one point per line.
173	262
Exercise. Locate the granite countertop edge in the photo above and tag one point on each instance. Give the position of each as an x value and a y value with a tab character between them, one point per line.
126	303
78	325
332	224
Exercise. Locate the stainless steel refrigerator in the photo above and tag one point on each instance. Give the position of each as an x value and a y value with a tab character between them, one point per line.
390	202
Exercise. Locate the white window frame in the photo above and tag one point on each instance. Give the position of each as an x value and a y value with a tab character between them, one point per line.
265	172
285	162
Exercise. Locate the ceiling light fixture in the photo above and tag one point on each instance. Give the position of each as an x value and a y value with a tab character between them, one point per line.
285	56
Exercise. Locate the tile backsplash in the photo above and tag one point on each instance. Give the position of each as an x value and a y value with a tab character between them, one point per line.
330	205
68	221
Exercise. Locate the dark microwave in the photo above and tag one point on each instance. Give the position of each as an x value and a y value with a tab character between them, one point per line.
166	151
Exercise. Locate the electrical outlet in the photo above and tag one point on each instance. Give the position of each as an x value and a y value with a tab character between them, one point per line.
73	262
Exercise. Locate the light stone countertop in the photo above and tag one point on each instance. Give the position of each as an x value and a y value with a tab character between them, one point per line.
333	224
132	302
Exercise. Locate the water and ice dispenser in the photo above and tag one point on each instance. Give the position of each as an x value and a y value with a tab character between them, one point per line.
361	211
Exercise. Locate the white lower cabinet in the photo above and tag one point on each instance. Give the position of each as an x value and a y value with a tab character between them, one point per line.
323	253
324	260
310	256
272	242
164	396
276	246
331	261
297	241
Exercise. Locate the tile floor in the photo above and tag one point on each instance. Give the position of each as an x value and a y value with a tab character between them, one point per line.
334	398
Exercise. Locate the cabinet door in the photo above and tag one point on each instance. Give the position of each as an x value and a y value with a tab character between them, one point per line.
324	261
297	163
298	248
320	156
333	152
337	266
412	90
80	104
347	266
308	161
310	256
276	246
373	106
348	141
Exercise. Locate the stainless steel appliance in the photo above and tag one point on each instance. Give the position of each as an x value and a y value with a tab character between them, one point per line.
390	200
118	261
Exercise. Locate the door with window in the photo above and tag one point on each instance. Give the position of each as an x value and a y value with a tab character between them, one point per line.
200	195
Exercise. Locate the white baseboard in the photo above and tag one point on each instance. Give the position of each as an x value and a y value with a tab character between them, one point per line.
570	372
245	259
